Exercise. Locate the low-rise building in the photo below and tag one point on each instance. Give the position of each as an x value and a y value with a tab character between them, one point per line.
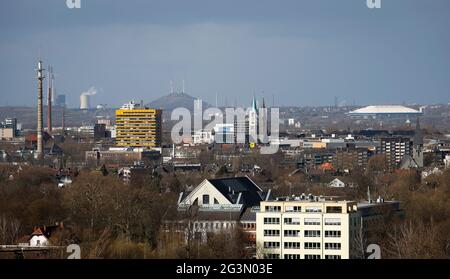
336	183
8	129
136	174
120	157
219	205
6	133
203	137
375	215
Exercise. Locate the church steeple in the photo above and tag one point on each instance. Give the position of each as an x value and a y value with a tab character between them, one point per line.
254	104
418	136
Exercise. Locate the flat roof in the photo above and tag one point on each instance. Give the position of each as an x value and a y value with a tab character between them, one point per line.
385	109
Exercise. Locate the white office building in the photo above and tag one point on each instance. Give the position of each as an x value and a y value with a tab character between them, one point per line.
203	137
306	227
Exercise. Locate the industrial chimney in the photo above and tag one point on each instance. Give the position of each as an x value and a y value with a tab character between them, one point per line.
63	119
49	99
40	77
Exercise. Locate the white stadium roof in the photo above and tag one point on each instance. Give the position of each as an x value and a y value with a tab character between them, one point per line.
389	109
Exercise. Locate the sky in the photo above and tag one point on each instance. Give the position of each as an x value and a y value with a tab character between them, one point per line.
297	52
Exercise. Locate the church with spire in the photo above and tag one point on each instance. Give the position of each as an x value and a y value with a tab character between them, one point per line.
257	123
418	146
414	160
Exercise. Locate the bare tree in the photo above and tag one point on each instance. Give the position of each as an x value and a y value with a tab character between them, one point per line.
9	230
100	245
359	244
416	241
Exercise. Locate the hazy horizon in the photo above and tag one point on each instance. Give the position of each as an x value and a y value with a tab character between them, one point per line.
304	52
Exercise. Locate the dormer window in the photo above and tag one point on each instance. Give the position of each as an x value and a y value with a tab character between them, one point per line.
205	199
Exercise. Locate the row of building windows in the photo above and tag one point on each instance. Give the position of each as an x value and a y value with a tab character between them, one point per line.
332	246
308	221
312	221
312	245
271	256
293	209
292	245
292	256
296	245
307	233
273	208
312	233
271	245
313	209
272	221
248	226
332	233
213	225
308	257
332	221
292	233
271	232
329	209
292	221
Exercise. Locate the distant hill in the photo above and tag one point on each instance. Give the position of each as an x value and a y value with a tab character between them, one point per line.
175	100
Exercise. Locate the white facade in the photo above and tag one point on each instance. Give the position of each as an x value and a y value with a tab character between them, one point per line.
306	229
112	130
291	121
336	183
89	130
447	161
38	240
203	137
130	106
6	133
253	125
205	194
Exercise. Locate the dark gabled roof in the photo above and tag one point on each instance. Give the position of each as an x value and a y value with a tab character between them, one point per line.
55	149
200	215
47	231
218	216
184	195
231	187
37	231
249	215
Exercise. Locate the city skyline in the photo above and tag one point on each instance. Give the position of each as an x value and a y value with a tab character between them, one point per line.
301	52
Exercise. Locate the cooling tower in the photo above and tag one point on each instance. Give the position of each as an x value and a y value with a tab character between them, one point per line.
84	101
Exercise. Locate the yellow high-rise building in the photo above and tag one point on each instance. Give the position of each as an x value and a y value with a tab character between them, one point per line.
138	126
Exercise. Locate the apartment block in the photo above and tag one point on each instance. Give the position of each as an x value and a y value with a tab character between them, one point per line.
138	126
6	133
395	148
306	227
350	158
